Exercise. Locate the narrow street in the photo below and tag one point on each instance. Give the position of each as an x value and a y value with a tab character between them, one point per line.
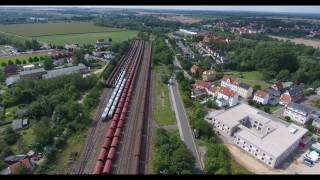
183	125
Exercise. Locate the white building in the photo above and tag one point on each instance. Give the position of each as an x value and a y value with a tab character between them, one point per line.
263	136
188	31
298	113
244	90
226	97
261	97
28	67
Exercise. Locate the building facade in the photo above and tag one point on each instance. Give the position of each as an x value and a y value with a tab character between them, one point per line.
227	97
298	113
266	138
261	97
242	89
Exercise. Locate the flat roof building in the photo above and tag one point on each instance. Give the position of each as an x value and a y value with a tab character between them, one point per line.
262	135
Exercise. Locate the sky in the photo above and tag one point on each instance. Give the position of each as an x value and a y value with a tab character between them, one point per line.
285	9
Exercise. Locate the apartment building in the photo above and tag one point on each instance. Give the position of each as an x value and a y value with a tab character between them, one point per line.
298	112
265	137
244	90
227	97
261	97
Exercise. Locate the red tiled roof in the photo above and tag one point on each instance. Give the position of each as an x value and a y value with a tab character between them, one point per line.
202	84
233	80
279	85
26	162
261	93
285	98
196	68
227	91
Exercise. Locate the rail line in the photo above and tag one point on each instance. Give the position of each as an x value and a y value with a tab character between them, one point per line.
96	123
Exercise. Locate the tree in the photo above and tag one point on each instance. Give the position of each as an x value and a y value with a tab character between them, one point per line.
36	59
3	164
18	61
24	62
30	60
110	39
48	64
10	136
78	56
283	75
22	169
10	62
3	64
257	87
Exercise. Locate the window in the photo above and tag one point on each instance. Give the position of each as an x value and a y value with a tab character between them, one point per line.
270	159
262	159
237	142
250	146
259	128
269	163
263	154
257	150
255	154
244	142
238	139
243	147
249	150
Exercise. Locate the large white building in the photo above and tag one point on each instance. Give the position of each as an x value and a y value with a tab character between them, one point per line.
298	113
244	90
226	97
263	136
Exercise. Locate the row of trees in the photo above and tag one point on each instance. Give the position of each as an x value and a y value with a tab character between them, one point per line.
171	155
21	45
275	59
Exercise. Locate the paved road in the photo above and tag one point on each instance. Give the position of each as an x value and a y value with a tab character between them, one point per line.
176	62
183	125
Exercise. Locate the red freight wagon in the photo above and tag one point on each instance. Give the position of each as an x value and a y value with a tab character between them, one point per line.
111	153
113	124
118	110
118	131
109	133
120	124
102	154
115	142
123	115
107	167
98	167
106	143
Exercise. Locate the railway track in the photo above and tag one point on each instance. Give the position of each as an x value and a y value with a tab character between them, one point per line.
129	161
107	153
79	167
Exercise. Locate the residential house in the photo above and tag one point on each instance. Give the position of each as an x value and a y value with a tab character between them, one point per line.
298	112
196	69
58	62
294	94
102	43
11	69
201	84
25	162
21	112
263	136
14	158
261	97
211	37
244	90
209	75
273	92
213	91
19	124
226	97
278	86
71	46
12	79
197	93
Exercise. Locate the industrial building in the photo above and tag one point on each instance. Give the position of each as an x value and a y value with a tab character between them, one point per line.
262	135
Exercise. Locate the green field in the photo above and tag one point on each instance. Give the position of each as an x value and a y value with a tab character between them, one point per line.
250	77
88	38
53	28
163	111
60	33
22	57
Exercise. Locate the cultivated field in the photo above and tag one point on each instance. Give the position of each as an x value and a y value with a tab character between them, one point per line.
174	17
88	38
308	42
53	28
60	33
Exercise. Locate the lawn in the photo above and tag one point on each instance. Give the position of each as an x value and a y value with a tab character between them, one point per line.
74	144
164	114
22	57
88	38
53	28
250	77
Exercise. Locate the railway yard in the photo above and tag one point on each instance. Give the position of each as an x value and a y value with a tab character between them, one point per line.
118	139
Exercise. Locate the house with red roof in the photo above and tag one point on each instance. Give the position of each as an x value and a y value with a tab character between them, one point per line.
196	69
25	162
278	86
261	97
201	84
243	89
227	97
294	94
